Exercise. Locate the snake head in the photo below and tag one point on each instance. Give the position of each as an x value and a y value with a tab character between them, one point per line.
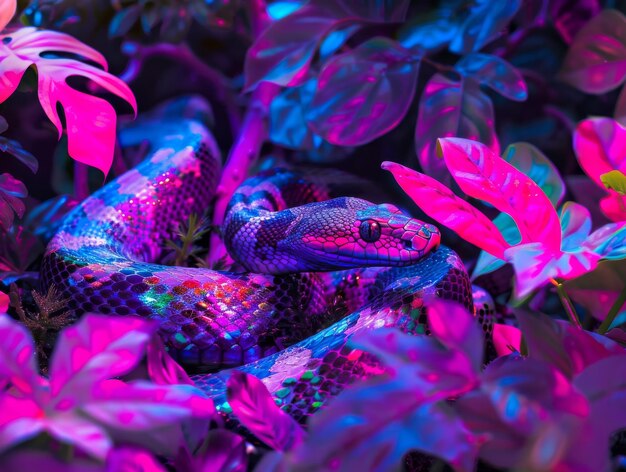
351	232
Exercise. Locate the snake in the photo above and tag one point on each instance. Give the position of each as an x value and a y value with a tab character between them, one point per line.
313	267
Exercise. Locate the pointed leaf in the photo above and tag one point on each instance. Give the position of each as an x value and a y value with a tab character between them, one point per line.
600	146
454	327
16	150
371	426
609	241
7	10
428	35
451	108
506	339
162	369
531	161
495	73
614	180
451	211
283	52
482	174
596	60
81	433
95	349
485	21
17	356
575	225
363	93
255	408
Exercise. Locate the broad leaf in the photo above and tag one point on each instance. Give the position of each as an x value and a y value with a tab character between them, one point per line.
162	369
531	161
600	146
17	353
484	175
4	303
495	73
487	262
94	349
429	34
371	426
575	225
484	23
7	10
441	204
454	327
506	339
451	108
596	60
283	52
255	408
363	93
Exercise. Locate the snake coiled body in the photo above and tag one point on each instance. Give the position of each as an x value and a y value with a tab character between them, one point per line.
317	268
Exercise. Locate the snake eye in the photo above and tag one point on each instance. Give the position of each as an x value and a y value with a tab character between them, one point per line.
369	231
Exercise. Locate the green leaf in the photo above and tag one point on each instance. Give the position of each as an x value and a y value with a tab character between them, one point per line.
614	180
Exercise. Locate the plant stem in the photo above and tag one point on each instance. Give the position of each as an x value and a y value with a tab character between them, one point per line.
567	303
610	317
81	183
247	146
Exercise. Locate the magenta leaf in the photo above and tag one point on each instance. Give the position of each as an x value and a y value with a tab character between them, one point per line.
132	459
95	349
506	339
600	146
17	356
531	161
4	303
451	108
80	432
569	16
363	93
428	368
566	347
484	23
456	329
495	73
90	121
162	369
484	175
596	59
255	408
11	190
7	10
372	425
283	52
224	451
450	210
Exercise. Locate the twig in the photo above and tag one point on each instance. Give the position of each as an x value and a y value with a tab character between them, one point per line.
222	88
567	303
610	317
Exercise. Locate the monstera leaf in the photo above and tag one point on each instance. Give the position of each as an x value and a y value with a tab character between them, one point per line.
451	108
596	60
363	93
90	121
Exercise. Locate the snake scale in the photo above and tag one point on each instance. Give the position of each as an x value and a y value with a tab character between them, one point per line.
317	268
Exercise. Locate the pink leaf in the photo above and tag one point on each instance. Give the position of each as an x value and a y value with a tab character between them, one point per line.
363	93
506	339
132	459
425	365
17	357
225	452
255	408
372	425
600	146
95	349
449	210
20	420
575	225
569	16
614	207
162	369
454	327
7	10
596	60
82	433
90	121
451	108
4	302
484	175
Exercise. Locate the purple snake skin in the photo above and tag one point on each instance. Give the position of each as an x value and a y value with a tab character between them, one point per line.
316	271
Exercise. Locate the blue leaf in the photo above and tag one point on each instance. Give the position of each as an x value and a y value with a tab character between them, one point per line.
495	73
485	22
430	35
